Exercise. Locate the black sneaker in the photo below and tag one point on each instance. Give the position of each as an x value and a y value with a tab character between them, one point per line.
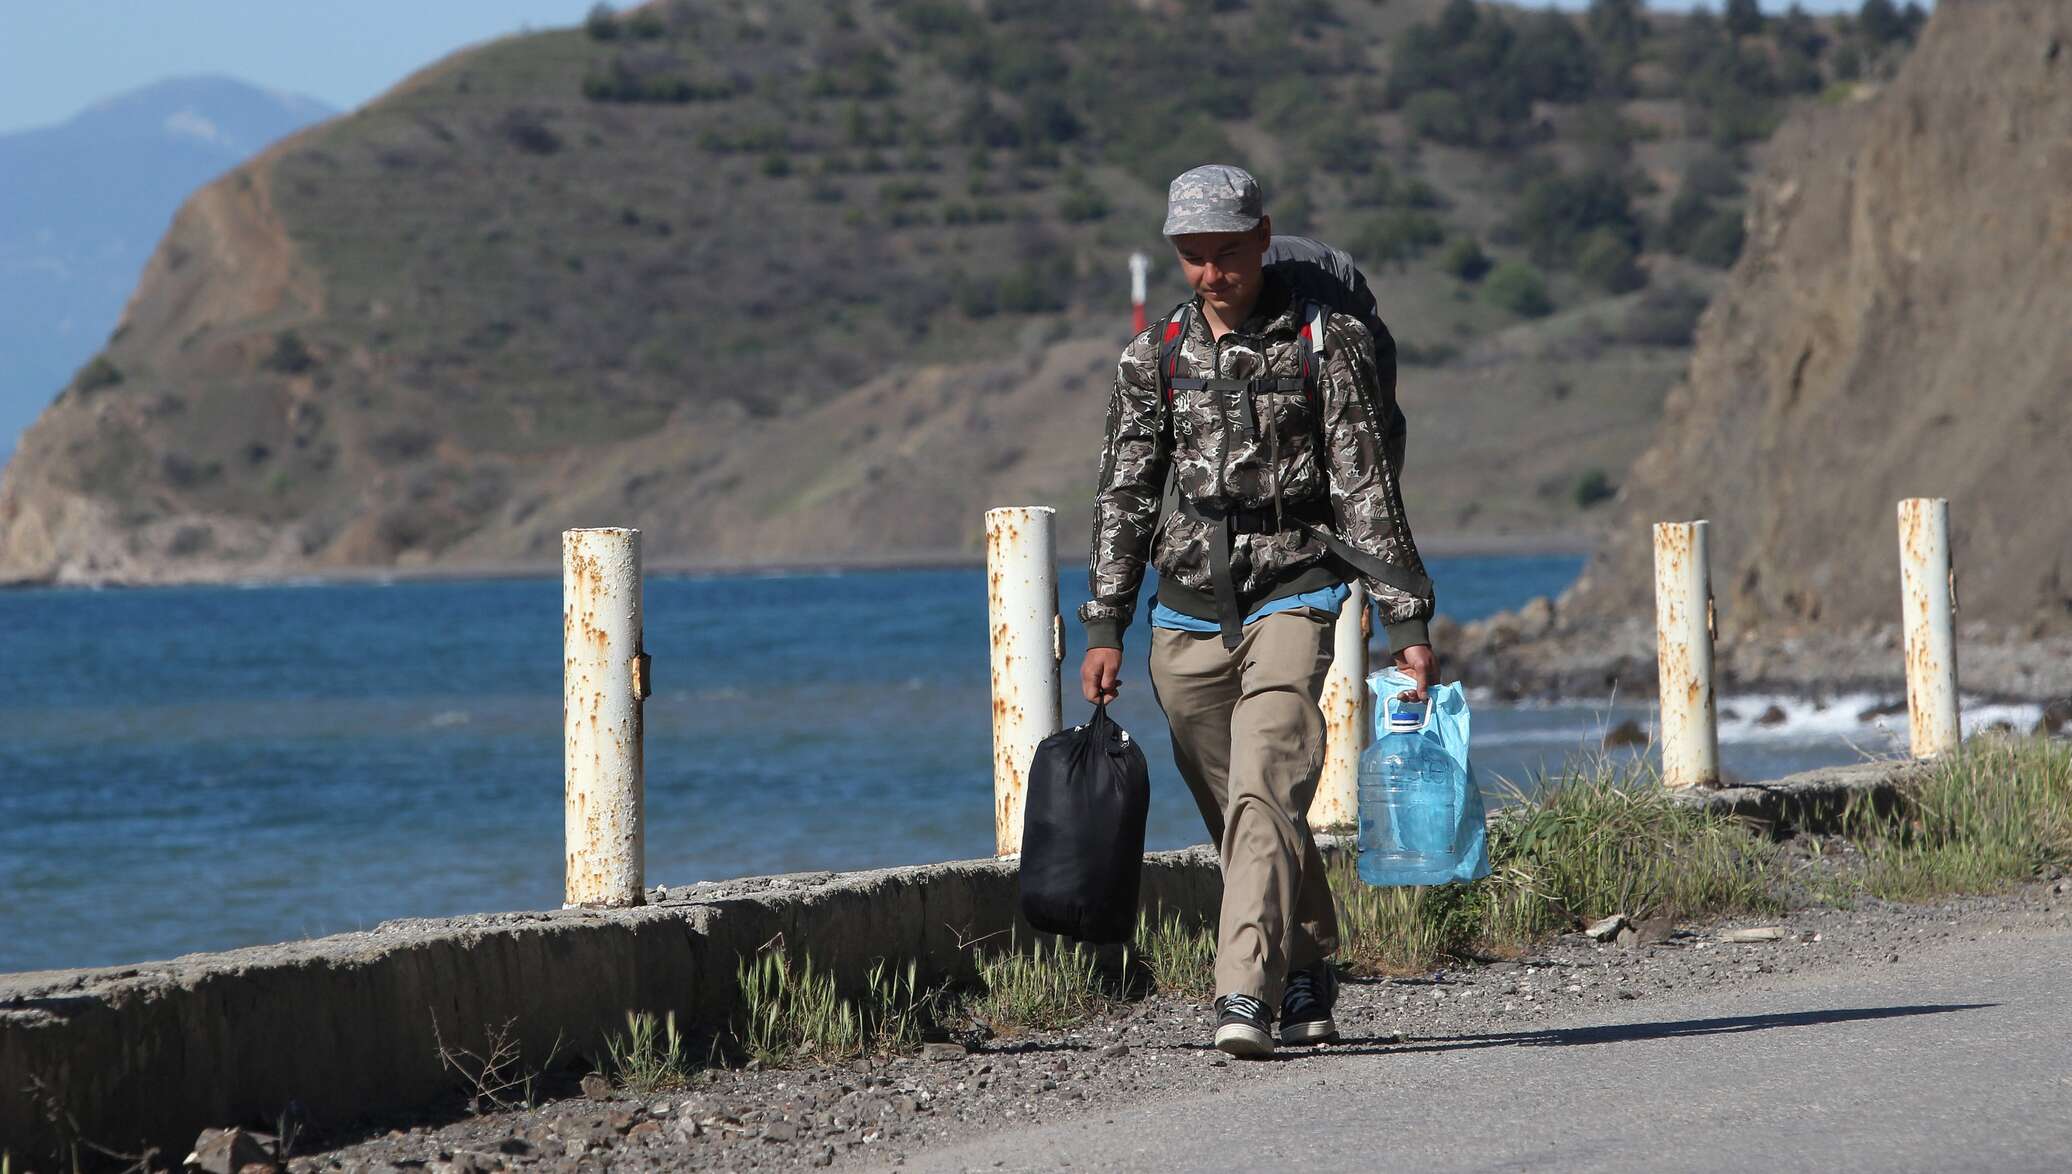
1242	1027
1306	1006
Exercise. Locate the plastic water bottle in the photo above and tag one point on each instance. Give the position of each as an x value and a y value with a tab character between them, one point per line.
1409	802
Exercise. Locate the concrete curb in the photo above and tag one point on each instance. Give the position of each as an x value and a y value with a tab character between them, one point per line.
1813	801
343	1026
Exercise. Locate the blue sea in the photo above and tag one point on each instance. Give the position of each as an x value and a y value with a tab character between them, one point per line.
188	769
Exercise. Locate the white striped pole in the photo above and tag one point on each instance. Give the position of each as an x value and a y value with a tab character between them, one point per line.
1928	597
604	677
1027	640
1140	267
1683	651
1346	718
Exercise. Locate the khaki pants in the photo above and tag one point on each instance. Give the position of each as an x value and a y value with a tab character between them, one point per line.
1249	739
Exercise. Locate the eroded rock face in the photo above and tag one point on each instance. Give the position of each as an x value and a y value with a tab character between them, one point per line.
1899	325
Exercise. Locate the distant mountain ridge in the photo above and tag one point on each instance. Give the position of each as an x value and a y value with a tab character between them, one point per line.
84	203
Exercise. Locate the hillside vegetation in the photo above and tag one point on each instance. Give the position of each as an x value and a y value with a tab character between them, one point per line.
781	280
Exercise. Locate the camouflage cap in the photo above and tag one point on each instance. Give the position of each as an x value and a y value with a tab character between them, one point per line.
1214	197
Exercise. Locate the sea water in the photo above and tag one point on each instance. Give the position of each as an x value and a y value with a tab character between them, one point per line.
200	768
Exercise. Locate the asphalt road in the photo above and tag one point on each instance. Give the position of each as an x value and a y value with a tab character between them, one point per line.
1956	1058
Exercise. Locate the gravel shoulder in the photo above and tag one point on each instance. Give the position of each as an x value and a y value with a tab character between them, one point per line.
875	1113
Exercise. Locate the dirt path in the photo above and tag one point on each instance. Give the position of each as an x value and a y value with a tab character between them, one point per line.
1154	1052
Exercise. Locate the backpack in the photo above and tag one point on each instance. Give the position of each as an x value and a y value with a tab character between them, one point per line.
1173	327
1170	331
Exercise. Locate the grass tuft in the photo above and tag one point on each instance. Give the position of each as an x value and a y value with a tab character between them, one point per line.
792	1014
1613	840
1178	955
1598	841
1398	930
1997	812
1046	988
651	1056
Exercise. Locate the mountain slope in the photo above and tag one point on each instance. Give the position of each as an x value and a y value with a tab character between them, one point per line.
785	280
86	200
1897	327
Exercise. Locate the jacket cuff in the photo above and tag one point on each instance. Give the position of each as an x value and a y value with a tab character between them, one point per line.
1408	634
1103	634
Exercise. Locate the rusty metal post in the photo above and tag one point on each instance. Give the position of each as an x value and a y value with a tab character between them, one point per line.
1028	641
604	677
1928	593
1346	721
1684	632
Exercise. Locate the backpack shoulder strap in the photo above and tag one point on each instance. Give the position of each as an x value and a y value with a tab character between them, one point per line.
1169	331
1314	315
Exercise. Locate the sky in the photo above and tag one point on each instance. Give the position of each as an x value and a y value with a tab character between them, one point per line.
59	56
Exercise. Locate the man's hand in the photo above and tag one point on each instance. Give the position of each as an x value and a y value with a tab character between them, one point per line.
1420	664
1100	674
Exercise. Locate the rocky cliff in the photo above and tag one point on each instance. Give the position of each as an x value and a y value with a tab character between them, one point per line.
1899	325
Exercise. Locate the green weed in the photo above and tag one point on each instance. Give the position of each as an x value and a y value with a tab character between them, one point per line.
651	1056
792	1014
1997	812
1404	930
1042	989
1595	842
1178	955
1615	841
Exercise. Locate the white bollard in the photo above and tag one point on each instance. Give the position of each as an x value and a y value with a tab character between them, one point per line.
604	677
1028	641
1140	268
1347	723
1683	655
1928	593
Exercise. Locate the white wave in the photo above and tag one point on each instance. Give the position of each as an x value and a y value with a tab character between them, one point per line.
1848	717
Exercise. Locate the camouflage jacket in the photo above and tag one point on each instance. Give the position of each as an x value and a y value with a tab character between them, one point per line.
1206	442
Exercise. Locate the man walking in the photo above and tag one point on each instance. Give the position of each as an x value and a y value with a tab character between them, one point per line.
1262	407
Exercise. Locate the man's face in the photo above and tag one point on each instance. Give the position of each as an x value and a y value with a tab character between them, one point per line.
1224	267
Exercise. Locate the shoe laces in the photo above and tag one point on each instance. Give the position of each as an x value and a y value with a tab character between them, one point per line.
1301	991
1244	1005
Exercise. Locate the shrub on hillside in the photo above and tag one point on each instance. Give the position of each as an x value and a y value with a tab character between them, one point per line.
1719	242
1688	213
1608	262
1441	116
1593	487
1556	213
1714	174
1518	288
1494	66
1664	316
289	356
1294	213
528	132
1341	147
1744	18
1082	204
1395	236
98	373
1419	194
601	24
904	191
1465	259
646	25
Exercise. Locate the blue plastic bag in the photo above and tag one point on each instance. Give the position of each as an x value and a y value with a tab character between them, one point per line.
1446	726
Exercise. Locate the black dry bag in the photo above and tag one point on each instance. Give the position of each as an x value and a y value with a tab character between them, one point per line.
1083	832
